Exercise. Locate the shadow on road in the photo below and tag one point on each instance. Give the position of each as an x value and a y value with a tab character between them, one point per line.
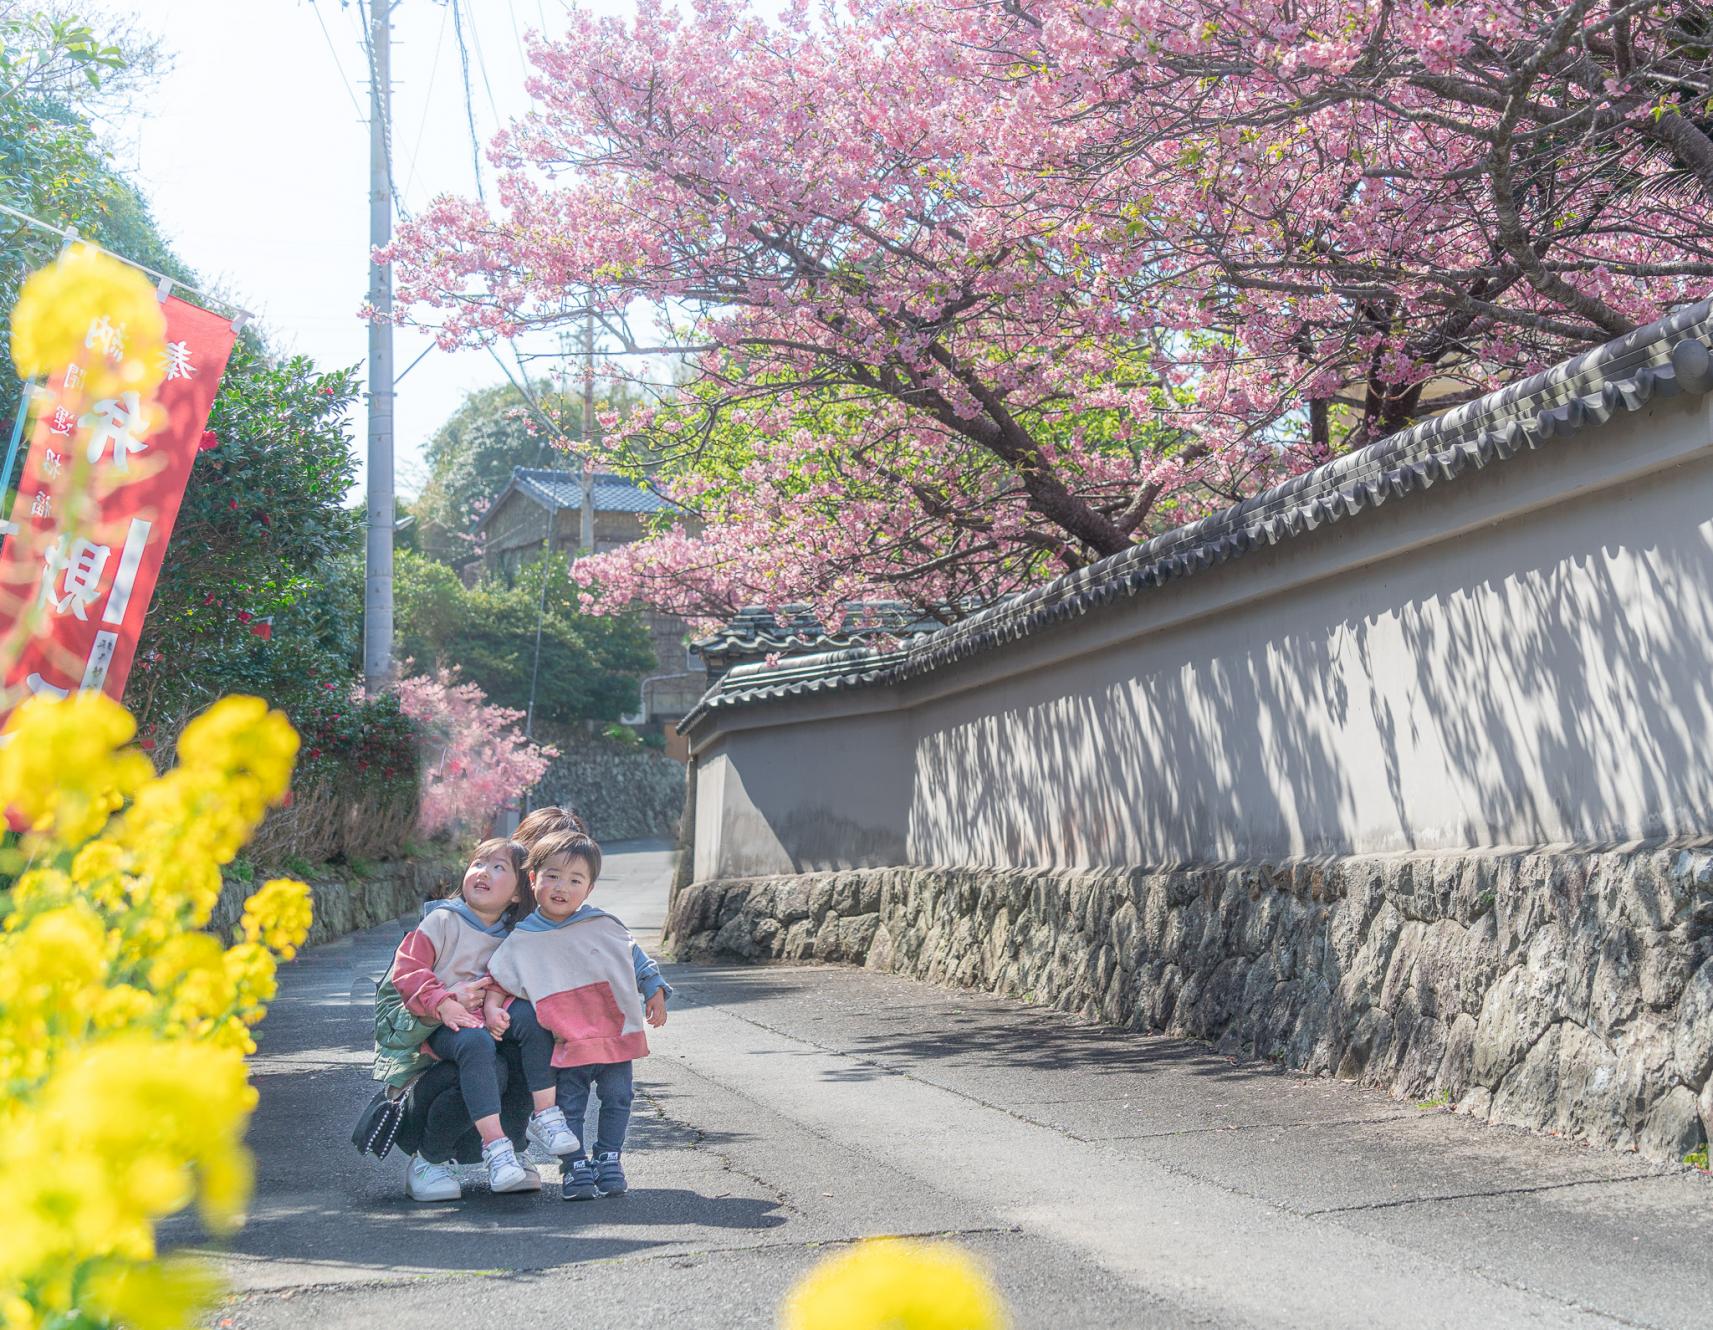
907	1028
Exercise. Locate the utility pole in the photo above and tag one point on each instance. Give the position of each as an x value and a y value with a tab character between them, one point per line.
586	529
378	574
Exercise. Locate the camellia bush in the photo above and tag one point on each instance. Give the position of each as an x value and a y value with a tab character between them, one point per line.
474	757
123	1022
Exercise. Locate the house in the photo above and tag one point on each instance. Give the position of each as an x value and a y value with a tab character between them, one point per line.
540	506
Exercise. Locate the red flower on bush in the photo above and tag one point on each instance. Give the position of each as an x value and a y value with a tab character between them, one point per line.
208	442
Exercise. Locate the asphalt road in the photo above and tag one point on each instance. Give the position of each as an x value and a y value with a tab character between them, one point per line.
1106	1179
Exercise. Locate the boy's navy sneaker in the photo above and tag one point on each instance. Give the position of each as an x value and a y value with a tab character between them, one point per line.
609	1176
577	1180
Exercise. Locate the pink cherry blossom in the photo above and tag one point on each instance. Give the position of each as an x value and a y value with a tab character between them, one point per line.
991	290
475	759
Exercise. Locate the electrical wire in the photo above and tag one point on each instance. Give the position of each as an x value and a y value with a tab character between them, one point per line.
385	104
427	102
517	36
337	62
482	68
469	100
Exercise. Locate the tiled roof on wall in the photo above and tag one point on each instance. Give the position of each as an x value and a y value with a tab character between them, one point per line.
794	629
1662	359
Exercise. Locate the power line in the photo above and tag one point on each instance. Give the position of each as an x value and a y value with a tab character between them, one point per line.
427	103
469	101
482	67
385	105
337	62
517	36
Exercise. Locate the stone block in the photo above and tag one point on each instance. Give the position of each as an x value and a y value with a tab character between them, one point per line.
796	897
1667	961
1672	1127
1527	1092
856	936
798	943
1692	1034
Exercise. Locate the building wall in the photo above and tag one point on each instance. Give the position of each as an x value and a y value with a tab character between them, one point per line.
1520	658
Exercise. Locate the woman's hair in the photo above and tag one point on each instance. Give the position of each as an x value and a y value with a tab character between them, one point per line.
545	821
519	856
566	844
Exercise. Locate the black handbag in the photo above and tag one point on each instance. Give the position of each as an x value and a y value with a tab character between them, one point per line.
378	1124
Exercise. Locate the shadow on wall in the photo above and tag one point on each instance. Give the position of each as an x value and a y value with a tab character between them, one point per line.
1553	686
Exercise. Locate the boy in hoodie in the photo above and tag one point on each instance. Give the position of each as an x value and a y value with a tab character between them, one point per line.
581	976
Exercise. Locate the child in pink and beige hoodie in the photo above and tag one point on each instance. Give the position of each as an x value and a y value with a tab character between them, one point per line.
576	972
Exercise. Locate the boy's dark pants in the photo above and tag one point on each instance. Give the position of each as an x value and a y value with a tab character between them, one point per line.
612	1082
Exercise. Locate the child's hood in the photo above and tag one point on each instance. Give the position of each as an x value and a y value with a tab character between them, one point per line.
460	907
539	923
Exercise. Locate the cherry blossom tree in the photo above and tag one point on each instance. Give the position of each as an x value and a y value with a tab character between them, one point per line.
980	292
475	758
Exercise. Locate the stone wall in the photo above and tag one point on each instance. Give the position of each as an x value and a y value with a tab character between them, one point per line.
1565	992
347	904
626	792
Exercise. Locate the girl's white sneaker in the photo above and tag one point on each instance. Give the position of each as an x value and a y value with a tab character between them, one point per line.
424	1181
505	1174
552	1133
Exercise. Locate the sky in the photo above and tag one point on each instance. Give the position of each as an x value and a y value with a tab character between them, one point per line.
253	150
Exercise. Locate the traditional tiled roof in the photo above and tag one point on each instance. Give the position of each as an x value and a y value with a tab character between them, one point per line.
1659	360
564	489
754	632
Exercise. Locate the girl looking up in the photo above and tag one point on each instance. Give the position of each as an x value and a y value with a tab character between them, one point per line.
429	1007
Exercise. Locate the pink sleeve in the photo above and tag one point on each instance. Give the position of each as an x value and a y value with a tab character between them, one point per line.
413	976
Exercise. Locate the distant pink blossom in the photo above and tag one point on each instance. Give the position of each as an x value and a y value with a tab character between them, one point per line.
475	760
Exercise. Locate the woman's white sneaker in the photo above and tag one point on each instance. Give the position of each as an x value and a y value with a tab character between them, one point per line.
424	1181
504	1172
552	1133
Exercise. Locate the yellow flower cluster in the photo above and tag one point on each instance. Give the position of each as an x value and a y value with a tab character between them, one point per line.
85	289
123	1025
893	1284
278	916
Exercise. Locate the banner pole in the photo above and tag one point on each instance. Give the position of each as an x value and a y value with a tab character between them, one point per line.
17	436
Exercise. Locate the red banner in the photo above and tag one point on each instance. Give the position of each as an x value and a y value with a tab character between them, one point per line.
97	498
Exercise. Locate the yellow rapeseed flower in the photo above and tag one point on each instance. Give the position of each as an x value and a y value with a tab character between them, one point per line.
66	768
279	916
893	1284
123	1026
150	1297
61	304
240	735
